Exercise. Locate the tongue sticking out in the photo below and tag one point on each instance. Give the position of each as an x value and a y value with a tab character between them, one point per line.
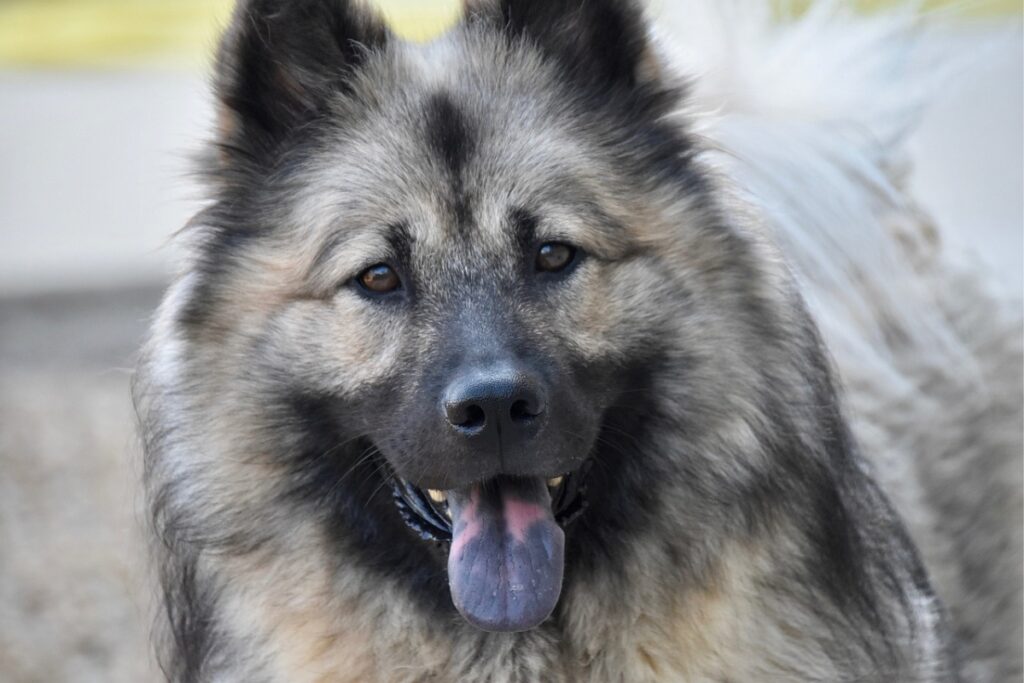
505	562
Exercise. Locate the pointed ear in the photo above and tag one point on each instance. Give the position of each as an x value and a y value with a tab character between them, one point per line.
604	42
280	62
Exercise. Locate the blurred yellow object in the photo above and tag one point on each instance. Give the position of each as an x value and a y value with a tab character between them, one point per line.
106	32
91	33
101	33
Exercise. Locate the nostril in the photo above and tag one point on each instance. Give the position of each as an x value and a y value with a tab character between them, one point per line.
523	411
474	417
466	416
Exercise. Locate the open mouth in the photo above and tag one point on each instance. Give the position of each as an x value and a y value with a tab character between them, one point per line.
426	511
505	543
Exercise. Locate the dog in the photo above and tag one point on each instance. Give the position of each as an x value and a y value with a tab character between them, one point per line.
568	348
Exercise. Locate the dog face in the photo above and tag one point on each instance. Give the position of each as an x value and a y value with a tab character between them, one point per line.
455	256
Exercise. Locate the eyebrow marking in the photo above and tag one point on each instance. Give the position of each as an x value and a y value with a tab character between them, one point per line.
401	239
572	208
397	235
330	246
524	227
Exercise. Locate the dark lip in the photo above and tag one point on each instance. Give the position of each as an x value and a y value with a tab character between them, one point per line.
429	521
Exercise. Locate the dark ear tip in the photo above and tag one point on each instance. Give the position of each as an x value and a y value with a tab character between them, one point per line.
605	41
279	61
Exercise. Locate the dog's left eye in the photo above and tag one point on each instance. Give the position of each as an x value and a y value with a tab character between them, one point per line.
380	279
553	257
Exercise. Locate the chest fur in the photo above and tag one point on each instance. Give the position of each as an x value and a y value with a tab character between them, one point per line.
728	631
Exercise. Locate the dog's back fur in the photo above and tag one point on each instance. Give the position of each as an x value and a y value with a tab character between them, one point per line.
769	550
928	349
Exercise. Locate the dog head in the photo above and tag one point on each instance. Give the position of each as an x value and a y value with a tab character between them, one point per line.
460	261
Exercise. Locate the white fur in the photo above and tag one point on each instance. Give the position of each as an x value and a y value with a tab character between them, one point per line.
809	118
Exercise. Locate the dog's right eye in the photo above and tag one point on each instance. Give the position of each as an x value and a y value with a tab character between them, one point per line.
379	279
554	257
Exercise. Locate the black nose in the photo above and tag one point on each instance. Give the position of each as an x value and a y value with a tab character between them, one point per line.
503	403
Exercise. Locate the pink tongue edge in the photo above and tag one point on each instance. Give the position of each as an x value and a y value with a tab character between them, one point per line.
506	561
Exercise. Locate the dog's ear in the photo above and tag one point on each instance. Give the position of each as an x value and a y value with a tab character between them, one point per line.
280	62
602	42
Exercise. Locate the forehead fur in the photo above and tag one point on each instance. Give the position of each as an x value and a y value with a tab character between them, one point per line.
470	138
506	131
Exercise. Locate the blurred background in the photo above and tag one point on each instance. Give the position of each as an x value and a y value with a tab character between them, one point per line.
102	103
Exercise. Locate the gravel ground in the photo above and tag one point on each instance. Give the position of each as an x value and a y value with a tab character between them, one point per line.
73	602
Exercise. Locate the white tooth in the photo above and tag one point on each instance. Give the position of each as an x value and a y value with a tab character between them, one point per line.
436	496
555	482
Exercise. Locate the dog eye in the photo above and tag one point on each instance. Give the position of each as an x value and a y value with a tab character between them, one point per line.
553	257
379	279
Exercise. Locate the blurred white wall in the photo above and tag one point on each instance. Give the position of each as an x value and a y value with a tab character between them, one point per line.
94	167
94	175
968	154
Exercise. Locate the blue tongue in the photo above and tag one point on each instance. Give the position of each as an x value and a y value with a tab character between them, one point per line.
507	554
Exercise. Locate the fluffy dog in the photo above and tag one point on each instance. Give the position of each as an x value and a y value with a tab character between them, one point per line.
501	358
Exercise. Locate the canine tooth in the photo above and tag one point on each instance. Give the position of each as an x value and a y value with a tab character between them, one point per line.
436	496
555	482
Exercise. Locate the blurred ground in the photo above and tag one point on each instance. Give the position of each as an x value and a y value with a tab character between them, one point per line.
73	602
92	184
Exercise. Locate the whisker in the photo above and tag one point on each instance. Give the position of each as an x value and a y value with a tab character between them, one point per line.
364	457
387	479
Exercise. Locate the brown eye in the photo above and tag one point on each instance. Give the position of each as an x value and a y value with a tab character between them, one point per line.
554	256
379	279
